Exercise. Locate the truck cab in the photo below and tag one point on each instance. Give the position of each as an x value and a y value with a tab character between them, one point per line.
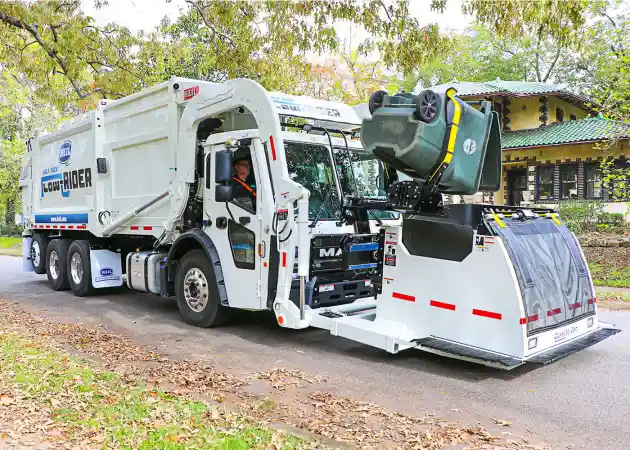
322	154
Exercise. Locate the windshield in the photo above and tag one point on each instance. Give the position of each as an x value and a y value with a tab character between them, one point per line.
365	178
311	166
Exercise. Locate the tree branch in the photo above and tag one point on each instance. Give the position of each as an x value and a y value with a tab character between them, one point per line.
553	63
205	21
537	53
52	53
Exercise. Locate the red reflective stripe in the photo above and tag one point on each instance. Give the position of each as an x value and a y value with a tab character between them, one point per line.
70	227
442	305
134	227
273	148
284	259
523	321
532	318
47	226
408	298
488	314
575	305
592	300
147	228
553	312
63	227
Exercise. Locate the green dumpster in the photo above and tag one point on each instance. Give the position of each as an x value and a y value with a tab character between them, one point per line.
437	139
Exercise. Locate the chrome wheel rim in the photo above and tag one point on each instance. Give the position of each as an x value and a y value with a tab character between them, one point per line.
196	290
76	268
36	253
53	264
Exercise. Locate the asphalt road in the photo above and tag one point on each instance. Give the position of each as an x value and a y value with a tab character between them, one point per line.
582	401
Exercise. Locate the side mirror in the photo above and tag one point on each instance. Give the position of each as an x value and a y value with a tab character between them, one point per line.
223	167
223	193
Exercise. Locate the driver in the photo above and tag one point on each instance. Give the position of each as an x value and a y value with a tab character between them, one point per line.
241	188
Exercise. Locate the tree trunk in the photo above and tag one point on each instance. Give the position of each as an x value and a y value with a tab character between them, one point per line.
9	212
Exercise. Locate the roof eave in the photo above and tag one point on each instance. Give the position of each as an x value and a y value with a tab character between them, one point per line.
526	147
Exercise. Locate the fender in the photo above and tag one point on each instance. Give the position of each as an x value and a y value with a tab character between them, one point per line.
195	239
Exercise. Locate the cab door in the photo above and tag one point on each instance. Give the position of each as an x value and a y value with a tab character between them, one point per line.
235	229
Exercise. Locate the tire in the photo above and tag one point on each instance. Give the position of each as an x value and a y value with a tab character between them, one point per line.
195	277
56	267
39	246
427	106
376	100
79	269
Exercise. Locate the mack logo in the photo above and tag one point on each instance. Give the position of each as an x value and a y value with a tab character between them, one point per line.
331	252
65	152
106	272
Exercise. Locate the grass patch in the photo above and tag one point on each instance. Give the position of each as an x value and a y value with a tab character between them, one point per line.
9	241
98	408
610	274
615	300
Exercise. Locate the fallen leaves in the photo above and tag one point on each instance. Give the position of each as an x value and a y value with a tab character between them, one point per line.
503	423
332	416
6	399
282	379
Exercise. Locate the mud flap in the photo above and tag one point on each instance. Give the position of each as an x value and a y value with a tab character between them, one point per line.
460	351
556	353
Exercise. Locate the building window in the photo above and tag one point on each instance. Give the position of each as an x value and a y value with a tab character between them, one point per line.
568	181
573	117
544	183
593	187
559	115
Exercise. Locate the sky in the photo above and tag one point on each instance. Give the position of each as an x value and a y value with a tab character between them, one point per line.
146	14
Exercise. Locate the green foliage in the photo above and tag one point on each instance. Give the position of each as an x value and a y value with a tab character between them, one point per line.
611	222
65	54
583	216
514	18
10	232
10	169
580	216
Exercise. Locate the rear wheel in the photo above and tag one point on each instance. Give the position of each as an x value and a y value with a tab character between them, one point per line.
39	245
56	267
197	293
79	269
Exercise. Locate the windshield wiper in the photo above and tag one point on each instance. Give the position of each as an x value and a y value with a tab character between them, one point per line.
321	208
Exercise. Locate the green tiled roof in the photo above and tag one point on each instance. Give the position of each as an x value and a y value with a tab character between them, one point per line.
467	88
584	130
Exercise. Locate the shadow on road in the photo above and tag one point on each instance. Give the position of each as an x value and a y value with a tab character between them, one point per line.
260	328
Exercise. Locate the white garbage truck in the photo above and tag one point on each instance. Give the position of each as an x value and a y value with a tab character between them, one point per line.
227	196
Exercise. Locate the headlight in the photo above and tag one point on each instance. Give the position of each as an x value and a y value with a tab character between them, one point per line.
532	343
589	322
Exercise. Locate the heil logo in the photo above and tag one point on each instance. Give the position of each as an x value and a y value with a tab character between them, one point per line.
65	152
105	272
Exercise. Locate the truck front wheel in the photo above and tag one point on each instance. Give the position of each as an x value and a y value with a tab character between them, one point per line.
56	268
197	292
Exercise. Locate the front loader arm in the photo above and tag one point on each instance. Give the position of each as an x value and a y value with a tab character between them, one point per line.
292	232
